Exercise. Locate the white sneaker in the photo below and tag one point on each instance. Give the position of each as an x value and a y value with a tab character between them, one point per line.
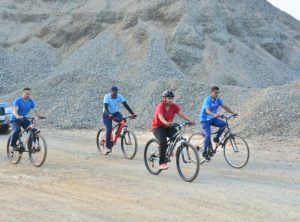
106	151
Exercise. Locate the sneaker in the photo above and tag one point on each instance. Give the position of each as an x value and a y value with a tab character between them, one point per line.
163	166
216	140
205	157
106	151
14	148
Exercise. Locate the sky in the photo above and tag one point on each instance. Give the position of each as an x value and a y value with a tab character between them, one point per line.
292	7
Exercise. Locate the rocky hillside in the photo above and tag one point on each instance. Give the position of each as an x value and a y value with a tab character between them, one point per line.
71	52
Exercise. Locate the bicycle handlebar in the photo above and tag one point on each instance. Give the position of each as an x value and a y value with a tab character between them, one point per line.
34	117
126	117
228	117
185	124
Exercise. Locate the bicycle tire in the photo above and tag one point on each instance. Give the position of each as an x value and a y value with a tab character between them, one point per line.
152	157
123	143
30	153
179	154
99	143
10	153
226	152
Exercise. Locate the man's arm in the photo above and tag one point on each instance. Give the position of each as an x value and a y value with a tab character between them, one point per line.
37	112
211	113
106	108
163	120
182	115
107	111
227	109
15	112
127	107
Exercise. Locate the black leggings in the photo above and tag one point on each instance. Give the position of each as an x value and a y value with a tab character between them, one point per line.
161	135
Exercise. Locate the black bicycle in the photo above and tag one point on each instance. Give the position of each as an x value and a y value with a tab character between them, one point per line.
235	148
187	159
128	138
34	144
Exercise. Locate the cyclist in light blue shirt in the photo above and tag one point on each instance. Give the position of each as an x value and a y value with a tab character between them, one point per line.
111	112
209	117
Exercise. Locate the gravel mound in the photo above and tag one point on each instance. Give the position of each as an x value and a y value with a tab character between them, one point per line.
70	53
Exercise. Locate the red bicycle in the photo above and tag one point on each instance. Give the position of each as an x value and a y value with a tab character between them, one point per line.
128	138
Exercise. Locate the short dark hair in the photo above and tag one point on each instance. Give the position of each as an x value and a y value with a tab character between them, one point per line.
213	88
26	88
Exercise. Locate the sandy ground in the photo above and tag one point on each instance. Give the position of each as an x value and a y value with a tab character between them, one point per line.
77	183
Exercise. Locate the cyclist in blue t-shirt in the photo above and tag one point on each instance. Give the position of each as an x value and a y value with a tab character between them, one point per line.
209	117
111	111
21	108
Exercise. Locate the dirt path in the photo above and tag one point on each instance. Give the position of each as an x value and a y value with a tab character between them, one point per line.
77	183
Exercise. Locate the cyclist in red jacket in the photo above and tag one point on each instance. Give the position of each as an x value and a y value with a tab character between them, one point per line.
162	124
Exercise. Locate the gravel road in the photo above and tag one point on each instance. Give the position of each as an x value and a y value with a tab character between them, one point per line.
77	183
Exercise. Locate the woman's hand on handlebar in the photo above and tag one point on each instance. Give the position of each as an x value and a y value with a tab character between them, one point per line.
169	124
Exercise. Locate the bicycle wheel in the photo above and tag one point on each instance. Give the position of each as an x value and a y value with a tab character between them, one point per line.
100	140
151	157
128	144
197	140
37	152
13	156
236	151
187	162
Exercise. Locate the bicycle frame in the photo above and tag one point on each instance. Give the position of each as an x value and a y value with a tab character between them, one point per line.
120	125
29	128
178	137
225	137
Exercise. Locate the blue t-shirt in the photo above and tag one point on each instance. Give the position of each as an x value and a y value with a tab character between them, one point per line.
212	105
24	107
113	102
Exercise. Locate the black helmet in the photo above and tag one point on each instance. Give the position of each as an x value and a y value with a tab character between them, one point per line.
168	93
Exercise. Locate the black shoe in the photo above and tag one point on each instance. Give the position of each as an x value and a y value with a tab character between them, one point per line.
205	157
216	140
